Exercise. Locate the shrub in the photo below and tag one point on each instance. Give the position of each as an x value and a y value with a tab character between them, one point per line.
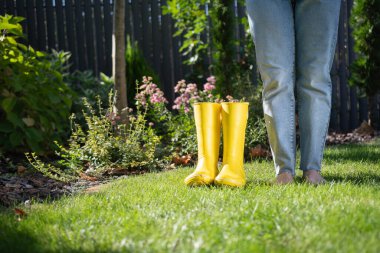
35	102
108	144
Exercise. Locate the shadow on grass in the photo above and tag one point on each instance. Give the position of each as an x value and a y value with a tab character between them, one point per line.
355	153
14	240
360	178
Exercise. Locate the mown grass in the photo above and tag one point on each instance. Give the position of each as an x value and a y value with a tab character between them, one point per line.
157	213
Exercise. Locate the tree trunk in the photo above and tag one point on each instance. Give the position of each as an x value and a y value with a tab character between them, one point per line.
373	112
118	57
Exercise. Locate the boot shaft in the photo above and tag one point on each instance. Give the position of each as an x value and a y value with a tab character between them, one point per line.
234	122
208	123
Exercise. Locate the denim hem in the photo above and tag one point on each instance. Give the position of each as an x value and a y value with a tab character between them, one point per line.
284	170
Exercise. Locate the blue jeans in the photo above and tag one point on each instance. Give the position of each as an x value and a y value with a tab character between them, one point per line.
294	52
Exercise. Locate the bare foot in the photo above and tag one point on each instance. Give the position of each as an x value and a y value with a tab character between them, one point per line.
284	178
313	177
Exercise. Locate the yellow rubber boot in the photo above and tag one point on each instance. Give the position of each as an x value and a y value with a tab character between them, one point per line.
234	122
207	122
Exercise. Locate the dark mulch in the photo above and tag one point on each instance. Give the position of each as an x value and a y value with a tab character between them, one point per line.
16	187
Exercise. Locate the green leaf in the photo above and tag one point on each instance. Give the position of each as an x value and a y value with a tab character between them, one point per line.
15	119
11	40
53	98
7	26
8	104
34	134
15	138
6	127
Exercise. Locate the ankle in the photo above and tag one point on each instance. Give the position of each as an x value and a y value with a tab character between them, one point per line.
284	177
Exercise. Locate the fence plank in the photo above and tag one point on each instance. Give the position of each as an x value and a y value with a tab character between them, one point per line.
99	31
71	38
156	36
2	8
10	7
20	5
89	31
128	19
31	23
50	23
108	36
137	35
167	60
343	110
177	65
60	25
82	57
21	12
354	121
41	25
146	31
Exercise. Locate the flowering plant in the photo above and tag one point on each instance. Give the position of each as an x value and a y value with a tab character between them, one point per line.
176	130
148	93
189	94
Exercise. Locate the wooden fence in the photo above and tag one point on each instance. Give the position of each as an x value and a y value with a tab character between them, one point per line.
84	27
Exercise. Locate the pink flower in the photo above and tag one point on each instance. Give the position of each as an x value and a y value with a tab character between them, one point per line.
208	87
211	80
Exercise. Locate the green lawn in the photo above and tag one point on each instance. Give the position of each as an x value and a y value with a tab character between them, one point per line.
157	213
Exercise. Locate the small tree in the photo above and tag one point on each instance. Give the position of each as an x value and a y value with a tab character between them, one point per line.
365	21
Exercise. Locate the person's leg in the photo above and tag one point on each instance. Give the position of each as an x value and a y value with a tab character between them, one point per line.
272	27
316	25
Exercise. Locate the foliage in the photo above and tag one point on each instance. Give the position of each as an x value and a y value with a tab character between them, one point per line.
35	102
107	144
191	22
223	20
365	22
256	133
365	71
177	129
86	85
136	67
207	28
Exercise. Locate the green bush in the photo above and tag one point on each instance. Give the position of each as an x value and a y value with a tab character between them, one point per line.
108	144
35	102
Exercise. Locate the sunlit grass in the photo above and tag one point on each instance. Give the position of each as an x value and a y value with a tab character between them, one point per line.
158	213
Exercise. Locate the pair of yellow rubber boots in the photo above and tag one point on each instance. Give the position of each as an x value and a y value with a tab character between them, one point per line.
208	118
